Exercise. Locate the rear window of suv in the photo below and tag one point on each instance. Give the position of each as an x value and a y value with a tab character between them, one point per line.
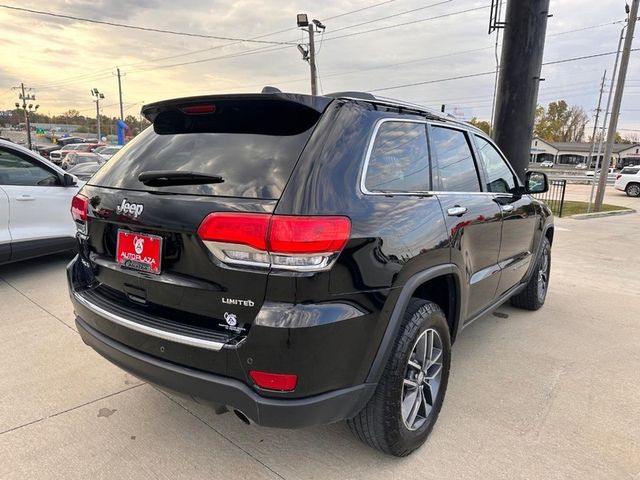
630	170
253	147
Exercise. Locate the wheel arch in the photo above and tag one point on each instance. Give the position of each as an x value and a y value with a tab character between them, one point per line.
440	284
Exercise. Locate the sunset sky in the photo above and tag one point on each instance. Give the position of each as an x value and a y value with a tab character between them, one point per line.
63	59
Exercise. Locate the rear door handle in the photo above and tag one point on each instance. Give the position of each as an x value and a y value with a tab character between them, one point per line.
507	208
456	211
25	198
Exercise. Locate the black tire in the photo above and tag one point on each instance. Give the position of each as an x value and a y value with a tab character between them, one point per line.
534	295
633	190
381	423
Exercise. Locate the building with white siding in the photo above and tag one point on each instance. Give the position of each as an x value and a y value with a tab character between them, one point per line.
573	153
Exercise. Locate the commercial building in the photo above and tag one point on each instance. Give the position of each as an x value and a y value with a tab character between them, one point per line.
573	153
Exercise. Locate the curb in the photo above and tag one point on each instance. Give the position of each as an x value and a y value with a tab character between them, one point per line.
586	216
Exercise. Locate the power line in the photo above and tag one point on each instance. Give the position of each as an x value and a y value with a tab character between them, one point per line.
96	76
590	27
472	75
136	27
392	16
412	22
194	52
275	48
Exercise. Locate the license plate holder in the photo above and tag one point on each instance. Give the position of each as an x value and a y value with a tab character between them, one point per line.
139	251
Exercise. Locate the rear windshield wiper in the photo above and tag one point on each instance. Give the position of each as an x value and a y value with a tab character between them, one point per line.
159	178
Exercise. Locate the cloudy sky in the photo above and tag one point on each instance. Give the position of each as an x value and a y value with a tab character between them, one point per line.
369	45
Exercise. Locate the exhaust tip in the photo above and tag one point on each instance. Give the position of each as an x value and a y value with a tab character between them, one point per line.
242	417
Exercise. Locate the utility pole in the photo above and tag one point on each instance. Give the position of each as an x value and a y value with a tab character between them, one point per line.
617	101
309	51
520	66
28	108
312	62
98	96
120	92
593	138
606	117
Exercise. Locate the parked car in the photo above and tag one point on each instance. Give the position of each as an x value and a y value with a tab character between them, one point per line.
56	156
34	205
67	140
628	180
108	151
547	164
45	150
76	157
84	171
611	173
305	259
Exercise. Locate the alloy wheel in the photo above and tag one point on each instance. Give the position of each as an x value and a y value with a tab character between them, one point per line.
421	382
543	275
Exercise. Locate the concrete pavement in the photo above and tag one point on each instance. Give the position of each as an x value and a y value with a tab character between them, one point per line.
552	394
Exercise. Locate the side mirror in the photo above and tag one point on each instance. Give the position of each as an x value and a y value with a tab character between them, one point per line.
68	180
536	182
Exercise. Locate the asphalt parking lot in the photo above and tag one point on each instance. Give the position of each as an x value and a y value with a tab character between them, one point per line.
549	394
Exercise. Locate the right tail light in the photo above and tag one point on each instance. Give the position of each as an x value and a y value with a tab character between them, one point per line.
286	242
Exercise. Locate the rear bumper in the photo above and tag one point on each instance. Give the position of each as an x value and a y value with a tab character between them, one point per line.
284	413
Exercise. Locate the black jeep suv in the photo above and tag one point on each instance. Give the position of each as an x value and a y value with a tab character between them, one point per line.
304	260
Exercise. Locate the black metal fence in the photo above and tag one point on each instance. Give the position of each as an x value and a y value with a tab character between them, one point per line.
554	197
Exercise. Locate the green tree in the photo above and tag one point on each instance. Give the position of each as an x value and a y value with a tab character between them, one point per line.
483	125
560	123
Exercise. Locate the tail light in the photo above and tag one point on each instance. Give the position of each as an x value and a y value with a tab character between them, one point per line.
275	241
274	381
618	176
79	211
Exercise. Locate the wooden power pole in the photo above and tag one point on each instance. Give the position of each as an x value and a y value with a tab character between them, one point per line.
525	28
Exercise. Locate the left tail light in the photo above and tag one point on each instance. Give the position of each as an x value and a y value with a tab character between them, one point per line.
79	211
285	242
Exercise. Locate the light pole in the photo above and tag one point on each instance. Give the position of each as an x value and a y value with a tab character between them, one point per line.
98	96
28	108
308	51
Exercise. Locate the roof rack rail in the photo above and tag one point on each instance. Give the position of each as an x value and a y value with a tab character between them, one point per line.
389	102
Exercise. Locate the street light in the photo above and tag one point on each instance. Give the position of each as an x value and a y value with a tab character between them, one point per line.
28	109
309	51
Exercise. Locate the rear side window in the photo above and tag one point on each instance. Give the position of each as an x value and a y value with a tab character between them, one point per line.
630	170
399	158
456	170
252	145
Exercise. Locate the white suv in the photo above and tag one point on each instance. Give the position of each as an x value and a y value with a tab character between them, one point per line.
35	199
628	180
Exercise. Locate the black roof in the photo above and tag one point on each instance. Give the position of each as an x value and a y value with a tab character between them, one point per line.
317	102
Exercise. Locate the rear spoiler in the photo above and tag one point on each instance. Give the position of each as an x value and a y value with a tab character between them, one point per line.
316	103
